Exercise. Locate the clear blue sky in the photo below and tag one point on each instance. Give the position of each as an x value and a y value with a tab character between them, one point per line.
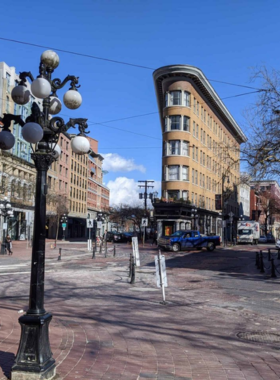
223	38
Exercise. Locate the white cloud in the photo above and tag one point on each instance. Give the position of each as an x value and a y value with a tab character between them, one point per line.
126	191
116	163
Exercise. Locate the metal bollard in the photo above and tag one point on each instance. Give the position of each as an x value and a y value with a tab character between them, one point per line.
132	281
273	274
269	255
114	251
261	263
257	260
130	266
278	257
94	250
59	255
105	246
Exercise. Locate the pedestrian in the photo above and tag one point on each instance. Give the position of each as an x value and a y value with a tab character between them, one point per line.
9	244
154	238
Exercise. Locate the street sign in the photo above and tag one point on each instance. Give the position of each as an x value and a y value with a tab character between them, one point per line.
144	222
89	223
4	226
135	251
99	224
64	225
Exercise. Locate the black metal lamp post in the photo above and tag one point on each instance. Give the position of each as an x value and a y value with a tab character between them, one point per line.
63	221
194	216
34	357
6	211
208	224
224	176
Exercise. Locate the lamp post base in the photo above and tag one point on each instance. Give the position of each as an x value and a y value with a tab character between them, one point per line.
34	358
3	249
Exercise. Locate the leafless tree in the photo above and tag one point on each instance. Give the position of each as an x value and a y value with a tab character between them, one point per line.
262	152
123	213
58	204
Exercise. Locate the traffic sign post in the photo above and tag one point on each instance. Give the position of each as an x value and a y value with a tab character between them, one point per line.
161	274
89	226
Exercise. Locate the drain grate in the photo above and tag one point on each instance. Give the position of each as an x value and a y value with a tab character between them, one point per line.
259	337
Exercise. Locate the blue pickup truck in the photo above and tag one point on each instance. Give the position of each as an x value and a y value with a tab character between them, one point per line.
183	240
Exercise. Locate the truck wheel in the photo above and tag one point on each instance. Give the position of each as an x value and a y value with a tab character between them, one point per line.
176	247
210	247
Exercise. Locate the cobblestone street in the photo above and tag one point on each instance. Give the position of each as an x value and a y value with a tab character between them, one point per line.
105	328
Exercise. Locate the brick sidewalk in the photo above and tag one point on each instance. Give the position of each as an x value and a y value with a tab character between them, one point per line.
105	328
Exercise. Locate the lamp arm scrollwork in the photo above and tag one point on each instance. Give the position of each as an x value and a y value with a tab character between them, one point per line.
5	122
24	75
82	123
57	84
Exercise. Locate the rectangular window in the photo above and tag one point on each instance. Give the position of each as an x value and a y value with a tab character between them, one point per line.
175	122
197	108
175	98
173	172
186	99
186	124
194	128
194	105
166	124
166	99
197	128
193	176
202	113
174	147
193	152
185	195
196	154
8	79
185	148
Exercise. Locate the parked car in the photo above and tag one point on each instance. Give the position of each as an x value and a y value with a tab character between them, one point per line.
270	238
262	239
183	240
113	236
277	245
126	236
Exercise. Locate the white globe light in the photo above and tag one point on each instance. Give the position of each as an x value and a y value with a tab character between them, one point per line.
20	94
80	145
8	205
72	99
7	140
41	88
50	59
56	148
55	106
32	132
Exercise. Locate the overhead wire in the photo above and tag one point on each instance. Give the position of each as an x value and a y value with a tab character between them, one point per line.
110	60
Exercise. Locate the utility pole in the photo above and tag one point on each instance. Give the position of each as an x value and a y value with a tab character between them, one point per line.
146	186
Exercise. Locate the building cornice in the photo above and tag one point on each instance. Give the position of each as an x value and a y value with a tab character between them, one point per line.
205	88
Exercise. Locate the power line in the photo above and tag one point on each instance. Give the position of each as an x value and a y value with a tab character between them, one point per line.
75	53
110	60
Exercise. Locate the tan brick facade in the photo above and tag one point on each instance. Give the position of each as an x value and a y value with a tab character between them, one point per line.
200	138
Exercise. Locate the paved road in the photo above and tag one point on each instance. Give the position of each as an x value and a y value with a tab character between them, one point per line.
105	328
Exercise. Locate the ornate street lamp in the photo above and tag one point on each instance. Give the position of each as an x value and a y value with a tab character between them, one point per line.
64	220
7	212
34	358
194	216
